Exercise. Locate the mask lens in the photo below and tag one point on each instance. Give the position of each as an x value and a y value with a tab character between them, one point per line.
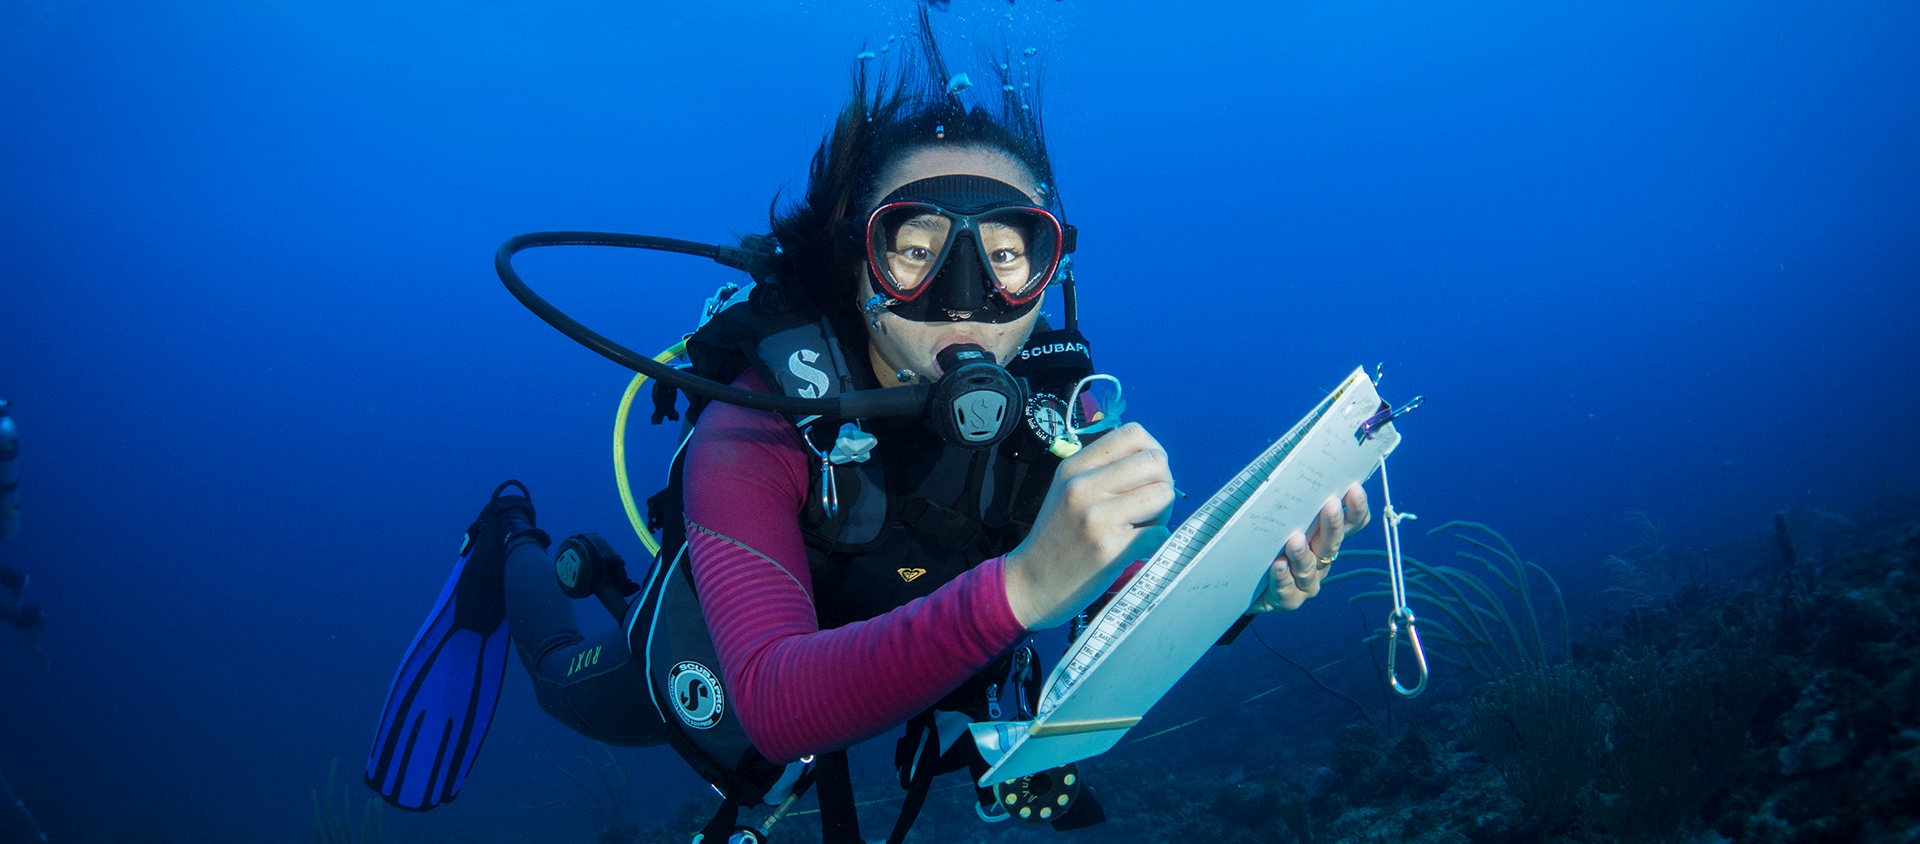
1018	246
1096	405
909	242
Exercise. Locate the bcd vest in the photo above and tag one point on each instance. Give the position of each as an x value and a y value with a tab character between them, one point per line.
910	517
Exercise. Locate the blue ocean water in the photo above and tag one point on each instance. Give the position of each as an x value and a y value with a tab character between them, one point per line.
1640	256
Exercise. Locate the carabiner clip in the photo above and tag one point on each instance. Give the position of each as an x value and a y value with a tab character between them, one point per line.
829	489
1403	617
829	484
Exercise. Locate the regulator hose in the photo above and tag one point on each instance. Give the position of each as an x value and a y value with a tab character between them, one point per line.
910	400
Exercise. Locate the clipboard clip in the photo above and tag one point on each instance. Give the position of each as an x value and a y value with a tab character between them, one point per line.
1385	415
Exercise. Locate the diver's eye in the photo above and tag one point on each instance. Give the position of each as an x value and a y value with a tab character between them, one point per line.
1004	256
917	253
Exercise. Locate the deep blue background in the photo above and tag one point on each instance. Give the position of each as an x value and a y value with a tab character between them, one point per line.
1642	256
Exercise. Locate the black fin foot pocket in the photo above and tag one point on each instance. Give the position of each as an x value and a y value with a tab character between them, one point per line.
447	687
509	517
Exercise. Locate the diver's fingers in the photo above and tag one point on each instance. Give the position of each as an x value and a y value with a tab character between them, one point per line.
1148	504
1143	468
1302	565
1323	540
1357	514
1115	445
1283	593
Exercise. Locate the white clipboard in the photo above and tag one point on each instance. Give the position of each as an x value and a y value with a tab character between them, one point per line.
1192	590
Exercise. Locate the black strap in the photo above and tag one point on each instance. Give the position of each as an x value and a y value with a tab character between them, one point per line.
718	830
1027	683
1234	632
839	819
926	763
663	402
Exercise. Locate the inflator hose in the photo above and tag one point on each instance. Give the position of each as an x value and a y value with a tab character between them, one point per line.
892	401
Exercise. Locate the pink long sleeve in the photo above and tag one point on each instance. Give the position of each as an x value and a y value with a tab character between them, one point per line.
798	689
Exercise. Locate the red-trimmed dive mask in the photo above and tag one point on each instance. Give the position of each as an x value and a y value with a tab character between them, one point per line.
962	248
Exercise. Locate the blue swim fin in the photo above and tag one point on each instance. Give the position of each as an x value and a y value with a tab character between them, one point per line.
444	694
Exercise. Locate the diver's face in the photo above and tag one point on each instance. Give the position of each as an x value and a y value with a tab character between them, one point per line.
897	343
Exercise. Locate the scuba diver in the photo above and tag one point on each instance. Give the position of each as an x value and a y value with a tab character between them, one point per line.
9	473
16	823
16	613
900	471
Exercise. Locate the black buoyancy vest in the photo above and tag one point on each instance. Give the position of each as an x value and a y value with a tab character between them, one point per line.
880	533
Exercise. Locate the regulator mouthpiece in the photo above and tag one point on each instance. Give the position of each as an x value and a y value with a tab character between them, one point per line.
975	402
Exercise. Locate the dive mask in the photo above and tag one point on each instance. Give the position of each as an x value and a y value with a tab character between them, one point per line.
962	247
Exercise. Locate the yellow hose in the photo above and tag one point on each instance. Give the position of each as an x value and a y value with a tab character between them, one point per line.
620	450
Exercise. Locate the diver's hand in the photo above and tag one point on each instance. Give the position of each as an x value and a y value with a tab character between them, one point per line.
1108	506
1304	561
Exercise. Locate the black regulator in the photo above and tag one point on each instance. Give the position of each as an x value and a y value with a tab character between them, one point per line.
976	403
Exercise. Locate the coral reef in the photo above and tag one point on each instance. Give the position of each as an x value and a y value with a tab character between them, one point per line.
1546	731
1680	736
1648	574
1840	758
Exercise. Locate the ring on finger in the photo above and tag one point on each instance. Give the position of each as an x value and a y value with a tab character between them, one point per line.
1327	561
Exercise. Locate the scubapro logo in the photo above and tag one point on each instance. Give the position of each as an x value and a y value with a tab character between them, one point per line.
816	380
1052	349
697	696
979	413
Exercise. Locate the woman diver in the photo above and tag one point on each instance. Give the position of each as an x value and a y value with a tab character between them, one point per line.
825	580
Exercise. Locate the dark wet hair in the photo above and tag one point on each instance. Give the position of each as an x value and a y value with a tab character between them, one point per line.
914	105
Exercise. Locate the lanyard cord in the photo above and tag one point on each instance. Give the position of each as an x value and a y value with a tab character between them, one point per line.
1402	615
